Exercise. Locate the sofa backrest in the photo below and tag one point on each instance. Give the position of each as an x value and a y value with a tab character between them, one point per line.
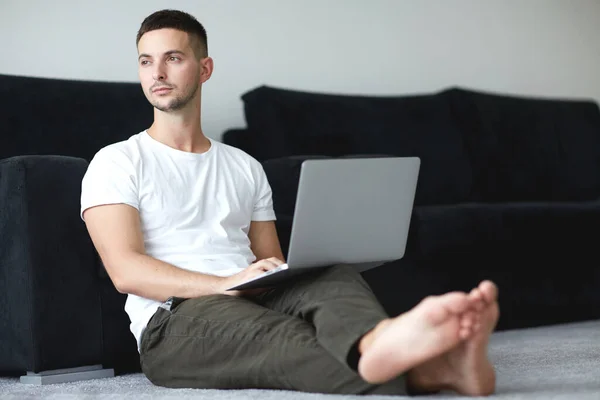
473	145
530	149
67	117
287	123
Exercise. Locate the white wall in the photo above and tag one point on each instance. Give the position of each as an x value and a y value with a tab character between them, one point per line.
542	47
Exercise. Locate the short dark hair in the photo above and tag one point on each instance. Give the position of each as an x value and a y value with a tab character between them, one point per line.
177	20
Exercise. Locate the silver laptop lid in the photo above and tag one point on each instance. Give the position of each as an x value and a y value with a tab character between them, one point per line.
351	211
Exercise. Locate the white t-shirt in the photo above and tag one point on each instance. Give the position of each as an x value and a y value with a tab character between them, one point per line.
195	209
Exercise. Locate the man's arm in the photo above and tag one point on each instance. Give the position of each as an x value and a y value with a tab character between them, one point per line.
116	233
264	241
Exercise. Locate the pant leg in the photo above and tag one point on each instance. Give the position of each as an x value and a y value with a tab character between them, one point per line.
228	342
337	302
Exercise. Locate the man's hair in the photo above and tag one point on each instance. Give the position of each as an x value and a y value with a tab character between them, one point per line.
181	21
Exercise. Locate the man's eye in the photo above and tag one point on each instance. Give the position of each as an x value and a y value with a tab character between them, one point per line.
173	58
144	62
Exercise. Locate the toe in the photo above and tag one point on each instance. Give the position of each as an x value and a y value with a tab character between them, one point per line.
468	319
476	294
465	333
455	302
477	299
489	291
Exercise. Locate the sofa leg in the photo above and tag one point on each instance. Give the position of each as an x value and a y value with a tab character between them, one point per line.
67	375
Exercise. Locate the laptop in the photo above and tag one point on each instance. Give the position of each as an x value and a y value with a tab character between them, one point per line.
353	211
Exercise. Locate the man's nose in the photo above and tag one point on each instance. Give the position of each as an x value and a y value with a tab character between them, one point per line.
159	73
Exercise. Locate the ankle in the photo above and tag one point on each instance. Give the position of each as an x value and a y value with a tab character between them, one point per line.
368	338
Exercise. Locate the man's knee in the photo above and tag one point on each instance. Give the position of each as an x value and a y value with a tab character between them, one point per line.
338	274
346	271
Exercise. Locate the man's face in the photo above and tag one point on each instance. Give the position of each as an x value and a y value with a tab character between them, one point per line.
169	72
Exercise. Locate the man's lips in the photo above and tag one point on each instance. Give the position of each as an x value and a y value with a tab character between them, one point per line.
161	90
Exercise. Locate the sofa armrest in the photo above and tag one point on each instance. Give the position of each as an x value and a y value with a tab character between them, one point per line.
49	298
244	140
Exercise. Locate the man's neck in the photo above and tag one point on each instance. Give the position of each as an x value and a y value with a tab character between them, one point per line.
181	132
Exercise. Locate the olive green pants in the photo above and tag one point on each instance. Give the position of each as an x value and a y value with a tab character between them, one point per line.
301	335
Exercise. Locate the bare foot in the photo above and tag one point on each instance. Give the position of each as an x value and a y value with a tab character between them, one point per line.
466	368
433	327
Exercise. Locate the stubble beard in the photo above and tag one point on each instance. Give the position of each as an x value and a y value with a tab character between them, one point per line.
178	102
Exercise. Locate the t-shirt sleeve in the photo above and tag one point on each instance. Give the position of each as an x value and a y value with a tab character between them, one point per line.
263	198
109	179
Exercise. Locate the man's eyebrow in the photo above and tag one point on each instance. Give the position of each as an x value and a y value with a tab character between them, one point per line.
168	53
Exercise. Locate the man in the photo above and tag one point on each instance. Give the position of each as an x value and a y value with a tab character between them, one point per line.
177	218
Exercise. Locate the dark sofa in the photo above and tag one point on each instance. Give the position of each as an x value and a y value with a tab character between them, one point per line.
507	191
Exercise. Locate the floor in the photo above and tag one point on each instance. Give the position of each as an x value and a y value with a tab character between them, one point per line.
555	362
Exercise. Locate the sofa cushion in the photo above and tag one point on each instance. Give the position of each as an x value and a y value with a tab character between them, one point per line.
539	230
543	256
290	123
68	117
530	149
551	246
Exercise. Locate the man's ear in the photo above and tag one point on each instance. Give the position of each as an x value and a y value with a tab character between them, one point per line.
207	69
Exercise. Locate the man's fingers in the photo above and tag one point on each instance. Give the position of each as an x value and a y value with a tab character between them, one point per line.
266	265
275	261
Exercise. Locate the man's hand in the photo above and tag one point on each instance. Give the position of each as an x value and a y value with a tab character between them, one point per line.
252	271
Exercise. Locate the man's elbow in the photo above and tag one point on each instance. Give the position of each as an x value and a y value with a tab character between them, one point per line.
120	282
120	272
121	286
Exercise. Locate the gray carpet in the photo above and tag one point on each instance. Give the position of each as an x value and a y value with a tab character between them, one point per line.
556	362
